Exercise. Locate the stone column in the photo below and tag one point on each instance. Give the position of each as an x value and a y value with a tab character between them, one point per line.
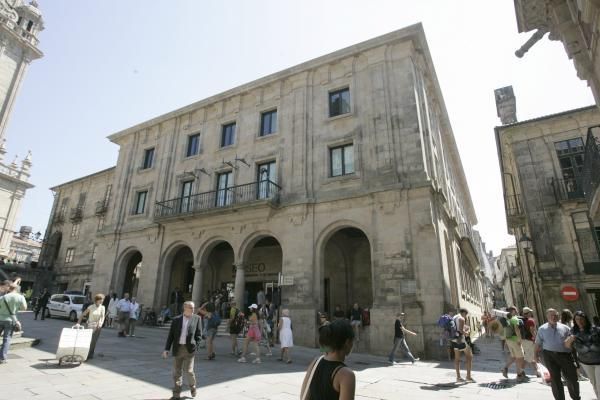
240	285
197	286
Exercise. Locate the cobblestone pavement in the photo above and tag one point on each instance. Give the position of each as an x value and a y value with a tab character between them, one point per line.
131	368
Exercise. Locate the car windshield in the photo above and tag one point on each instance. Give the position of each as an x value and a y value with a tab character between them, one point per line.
78	299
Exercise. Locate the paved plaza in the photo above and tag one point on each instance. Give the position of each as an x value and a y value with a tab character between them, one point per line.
131	368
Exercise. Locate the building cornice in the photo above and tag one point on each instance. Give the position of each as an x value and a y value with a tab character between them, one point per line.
92	175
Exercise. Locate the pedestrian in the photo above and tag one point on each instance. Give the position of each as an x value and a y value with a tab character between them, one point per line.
176	301
323	320
124	310
212	325
459	345
514	342
260	298
328	377
252	336
338	313
356	320
528	342
112	310
11	302
105	303
42	305
270	313
163	315
184	337
566	317
585	339
550	340
399	339
286	337
95	319
134	315
596	320
265	328
236	326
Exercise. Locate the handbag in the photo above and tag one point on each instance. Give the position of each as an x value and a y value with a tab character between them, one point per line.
306	394
17	325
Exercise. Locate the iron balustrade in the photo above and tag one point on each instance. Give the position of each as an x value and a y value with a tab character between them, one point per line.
101	207
568	189
591	166
218	199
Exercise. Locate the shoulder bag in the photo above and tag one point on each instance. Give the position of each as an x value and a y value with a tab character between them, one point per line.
306	394
16	323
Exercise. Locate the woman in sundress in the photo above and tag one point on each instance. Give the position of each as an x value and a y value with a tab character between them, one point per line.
286	337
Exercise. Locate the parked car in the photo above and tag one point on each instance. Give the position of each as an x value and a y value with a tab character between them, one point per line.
66	305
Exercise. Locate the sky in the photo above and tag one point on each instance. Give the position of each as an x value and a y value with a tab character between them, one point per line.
111	64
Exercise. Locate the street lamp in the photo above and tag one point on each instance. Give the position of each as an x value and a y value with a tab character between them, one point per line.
526	242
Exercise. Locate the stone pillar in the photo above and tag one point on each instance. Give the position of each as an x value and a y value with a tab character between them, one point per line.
240	285
197	286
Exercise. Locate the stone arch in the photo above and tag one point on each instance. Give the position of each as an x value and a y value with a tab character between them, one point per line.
216	259
208	245
127	271
167	259
251	240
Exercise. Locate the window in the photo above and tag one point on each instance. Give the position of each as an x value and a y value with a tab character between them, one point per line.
107	195
75	231
94	251
69	255
193	145
266	173
101	222
339	102
268	123
228	135
186	196
29	26
342	160
140	202
224	195
148	158
570	157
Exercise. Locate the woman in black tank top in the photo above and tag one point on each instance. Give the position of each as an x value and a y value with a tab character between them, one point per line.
331	378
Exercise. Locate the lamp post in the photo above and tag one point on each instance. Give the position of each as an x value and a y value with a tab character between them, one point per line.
527	246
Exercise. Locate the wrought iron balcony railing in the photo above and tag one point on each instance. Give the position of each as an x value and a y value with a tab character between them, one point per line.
101	207
76	214
567	189
59	218
218	199
591	166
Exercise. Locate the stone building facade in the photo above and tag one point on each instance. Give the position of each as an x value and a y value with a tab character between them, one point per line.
20	24
335	181
541	161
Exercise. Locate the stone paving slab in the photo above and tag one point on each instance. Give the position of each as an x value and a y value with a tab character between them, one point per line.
131	368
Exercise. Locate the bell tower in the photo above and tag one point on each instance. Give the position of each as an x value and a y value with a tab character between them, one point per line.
20	24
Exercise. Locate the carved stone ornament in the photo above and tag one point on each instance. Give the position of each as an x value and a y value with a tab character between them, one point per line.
7	11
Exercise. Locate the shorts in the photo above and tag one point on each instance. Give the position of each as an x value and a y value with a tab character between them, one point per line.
355	322
516	350
529	350
254	333
211	333
460	346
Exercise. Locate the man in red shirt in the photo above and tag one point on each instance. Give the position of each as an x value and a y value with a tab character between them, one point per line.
529	339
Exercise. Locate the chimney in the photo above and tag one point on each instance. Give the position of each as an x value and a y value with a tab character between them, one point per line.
506	105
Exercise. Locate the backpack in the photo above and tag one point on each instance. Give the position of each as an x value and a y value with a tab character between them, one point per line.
366	317
447	323
237	325
525	333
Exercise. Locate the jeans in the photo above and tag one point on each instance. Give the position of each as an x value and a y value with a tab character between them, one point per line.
562	362
7	328
401	343
593	373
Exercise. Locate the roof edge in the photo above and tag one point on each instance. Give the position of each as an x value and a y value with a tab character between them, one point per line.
83	177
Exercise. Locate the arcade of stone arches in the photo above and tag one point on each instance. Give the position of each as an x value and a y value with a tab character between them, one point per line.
345	274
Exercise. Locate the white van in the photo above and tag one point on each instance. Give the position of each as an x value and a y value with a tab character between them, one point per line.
66	305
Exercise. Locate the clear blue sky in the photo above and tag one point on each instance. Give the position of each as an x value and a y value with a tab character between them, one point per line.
111	64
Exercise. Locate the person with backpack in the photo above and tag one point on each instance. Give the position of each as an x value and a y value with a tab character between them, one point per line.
459	345
236	326
12	302
212	324
400	341
445	322
514	341
529	332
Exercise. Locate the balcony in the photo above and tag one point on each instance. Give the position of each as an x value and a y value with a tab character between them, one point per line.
591	173
234	196
515	213
59	218
76	214
469	245
567	189
101	207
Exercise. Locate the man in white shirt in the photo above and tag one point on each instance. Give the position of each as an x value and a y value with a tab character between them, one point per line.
184	336
124	310
134	315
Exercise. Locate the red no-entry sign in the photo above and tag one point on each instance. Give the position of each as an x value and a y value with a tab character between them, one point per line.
569	293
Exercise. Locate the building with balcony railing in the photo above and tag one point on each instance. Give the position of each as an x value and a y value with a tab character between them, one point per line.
332	182
591	172
542	165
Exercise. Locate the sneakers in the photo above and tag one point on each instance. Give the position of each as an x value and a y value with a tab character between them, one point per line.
256	361
242	360
521	377
505	372
193	391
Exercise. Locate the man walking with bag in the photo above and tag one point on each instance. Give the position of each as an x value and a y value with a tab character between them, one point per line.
183	339
10	304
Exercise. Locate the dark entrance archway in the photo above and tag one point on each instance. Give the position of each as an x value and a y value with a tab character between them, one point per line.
347	270
220	270
262	269
181	275
133	270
